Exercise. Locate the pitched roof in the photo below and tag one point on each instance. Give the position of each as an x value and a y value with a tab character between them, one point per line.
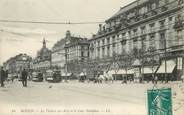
127	7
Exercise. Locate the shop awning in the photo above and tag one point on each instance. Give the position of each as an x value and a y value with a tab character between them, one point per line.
121	71
148	70
170	65
111	72
130	71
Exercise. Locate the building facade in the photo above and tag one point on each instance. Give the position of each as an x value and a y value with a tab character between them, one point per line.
77	54
58	55
147	30
42	62
16	64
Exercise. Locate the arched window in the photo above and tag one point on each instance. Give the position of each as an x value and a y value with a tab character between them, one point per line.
180	2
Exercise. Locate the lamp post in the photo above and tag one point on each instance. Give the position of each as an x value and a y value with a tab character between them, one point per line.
165	52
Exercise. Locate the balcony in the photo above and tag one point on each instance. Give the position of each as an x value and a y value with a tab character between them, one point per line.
152	30
178	47
179	24
134	35
162	28
123	41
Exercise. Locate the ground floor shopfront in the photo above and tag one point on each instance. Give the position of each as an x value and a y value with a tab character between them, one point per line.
170	67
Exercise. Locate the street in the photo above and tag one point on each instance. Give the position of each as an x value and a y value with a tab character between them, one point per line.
74	98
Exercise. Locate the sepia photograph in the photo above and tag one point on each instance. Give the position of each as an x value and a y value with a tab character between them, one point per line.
91	57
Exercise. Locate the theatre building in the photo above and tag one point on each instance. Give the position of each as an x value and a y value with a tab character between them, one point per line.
143	39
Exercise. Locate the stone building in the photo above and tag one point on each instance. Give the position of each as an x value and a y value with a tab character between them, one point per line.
42	61
16	64
77	54
58	55
150	31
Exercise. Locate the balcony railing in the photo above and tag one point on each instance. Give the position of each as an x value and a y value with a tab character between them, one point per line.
179	24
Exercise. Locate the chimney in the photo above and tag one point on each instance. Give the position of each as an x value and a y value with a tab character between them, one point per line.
68	34
93	35
100	27
104	28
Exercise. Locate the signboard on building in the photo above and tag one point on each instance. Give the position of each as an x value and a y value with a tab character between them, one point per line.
159	102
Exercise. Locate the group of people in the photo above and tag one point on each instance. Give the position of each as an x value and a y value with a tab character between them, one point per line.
4	76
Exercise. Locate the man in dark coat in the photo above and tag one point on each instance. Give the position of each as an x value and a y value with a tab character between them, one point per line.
24	78
3	74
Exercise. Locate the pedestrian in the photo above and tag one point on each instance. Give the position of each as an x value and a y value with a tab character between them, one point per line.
12	78
6	75
3	75
24	78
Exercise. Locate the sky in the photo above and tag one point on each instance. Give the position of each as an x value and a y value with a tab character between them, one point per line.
18	38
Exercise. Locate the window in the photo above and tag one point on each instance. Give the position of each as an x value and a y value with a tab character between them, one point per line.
143	43
181	2
98	52
135	32
162	24
162	40
108	51
88	54
108	40
135	43
98	43
82	47
113	47
123	35
113	38
152	40
153	6
103	41
152	25
179	38
179	17
170	19
161	2
129	33
103	52
143	30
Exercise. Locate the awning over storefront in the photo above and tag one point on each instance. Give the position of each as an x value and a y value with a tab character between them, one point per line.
148	70
170	65
111	72
130	71
121	71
